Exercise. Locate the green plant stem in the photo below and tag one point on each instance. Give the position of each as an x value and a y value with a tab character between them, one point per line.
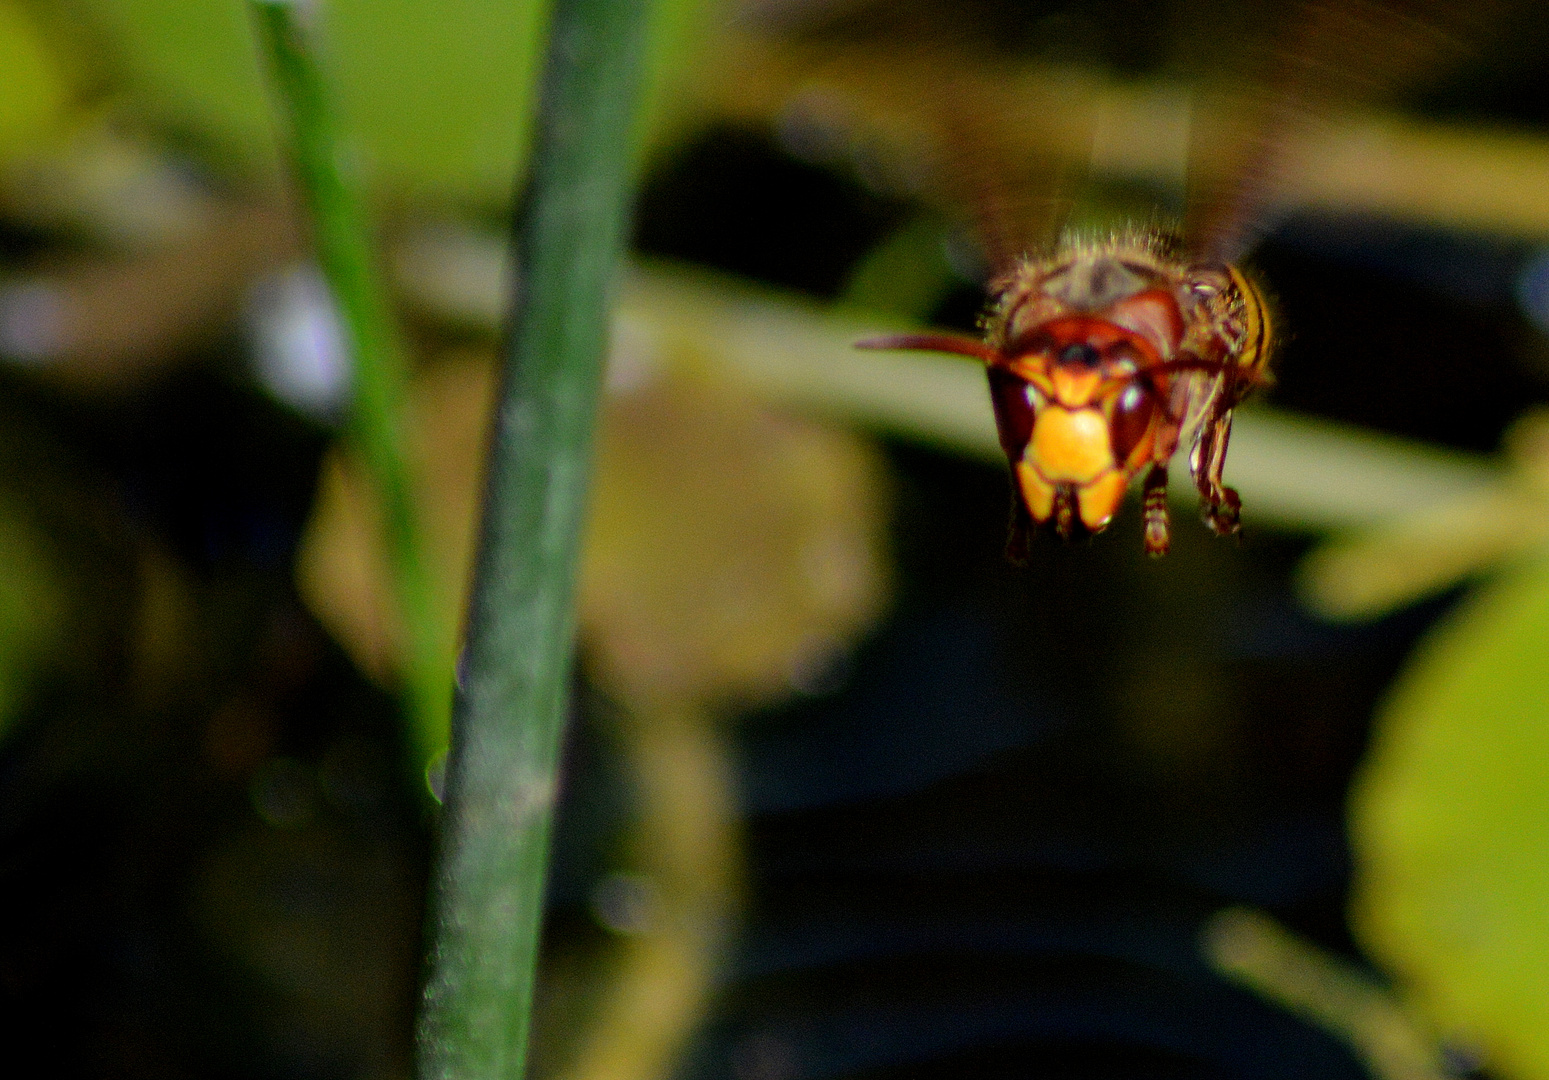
509	715
376	420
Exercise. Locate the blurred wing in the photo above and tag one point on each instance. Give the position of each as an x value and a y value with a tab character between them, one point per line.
1319	58
989	138
1012	188
1007	154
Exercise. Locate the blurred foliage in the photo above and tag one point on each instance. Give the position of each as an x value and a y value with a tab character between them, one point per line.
1250	948
284	906
439	94
1450	826
37	83
737	551
33	605
907	275
728	547
60	541
1368	573
1448	818
733	554
371	348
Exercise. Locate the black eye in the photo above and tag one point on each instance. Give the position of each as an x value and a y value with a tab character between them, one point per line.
1131	417
1081	354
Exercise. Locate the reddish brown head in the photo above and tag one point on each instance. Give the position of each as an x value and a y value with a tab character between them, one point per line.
1101	359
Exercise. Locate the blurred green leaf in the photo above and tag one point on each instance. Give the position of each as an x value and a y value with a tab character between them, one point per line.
907	274
32	606
1450	824
33	106
341	239
439	93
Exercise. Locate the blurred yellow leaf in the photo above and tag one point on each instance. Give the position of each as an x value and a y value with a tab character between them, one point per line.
1368	574
730	548
729	545
1251	949
33	106
1450	825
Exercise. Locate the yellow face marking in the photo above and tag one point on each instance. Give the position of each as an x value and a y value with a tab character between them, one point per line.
1099	500
1070	445
1037	492
1074	386
1036	371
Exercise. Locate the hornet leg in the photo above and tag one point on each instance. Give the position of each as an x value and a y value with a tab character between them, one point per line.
1065	511
1219	504
1154	502
1019	537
